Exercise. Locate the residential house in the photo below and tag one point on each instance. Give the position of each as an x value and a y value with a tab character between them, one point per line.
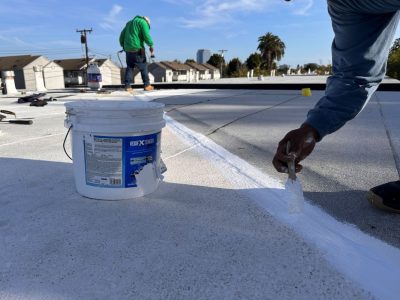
32	71
214	71
202	72
180	72
161	72
75	71
110	72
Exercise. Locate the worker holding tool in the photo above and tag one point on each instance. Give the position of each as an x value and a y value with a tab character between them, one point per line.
363	32
133	38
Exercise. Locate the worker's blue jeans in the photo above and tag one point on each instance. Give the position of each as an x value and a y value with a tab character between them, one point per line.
136	59
364	32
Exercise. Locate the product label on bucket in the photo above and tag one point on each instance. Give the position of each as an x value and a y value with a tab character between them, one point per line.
103	161
118	161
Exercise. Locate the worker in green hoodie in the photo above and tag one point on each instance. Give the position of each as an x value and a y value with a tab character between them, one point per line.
133	38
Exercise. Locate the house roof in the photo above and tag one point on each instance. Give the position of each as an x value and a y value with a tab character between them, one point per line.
155	65
16	62
210	67
75	64
197	66
175	66
71	64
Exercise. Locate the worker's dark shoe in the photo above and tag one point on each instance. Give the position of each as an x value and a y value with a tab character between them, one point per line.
386	196
149	88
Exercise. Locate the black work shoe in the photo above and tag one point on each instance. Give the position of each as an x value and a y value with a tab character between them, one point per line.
386	196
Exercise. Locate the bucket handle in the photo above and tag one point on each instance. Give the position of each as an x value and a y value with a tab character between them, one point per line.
65	139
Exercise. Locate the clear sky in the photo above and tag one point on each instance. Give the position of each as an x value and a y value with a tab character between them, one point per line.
178	27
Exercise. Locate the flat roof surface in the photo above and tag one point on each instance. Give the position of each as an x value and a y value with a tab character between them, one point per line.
218	227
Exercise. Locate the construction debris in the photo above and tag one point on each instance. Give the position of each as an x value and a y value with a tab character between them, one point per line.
36	99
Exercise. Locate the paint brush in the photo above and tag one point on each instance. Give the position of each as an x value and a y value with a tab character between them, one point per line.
293	186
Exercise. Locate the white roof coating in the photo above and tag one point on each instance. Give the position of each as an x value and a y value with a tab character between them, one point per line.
218	226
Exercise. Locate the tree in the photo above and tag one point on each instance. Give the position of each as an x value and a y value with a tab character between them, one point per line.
310	66
324	69
235	67
190	60
216	60
283	69
393	64
271	48
254	61
395	46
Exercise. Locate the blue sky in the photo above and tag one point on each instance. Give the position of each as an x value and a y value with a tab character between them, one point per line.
179	27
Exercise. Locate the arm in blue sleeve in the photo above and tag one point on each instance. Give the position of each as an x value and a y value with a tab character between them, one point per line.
359	54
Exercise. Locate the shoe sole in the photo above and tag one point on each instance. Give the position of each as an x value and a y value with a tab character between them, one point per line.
378	203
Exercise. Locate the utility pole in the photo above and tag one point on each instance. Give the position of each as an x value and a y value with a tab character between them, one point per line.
222	51
83	33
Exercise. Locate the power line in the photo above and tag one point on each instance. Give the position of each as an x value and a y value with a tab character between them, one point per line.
48	51
99	53
37	50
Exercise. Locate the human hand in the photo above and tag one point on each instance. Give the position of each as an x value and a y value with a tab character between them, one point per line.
151	51
302	143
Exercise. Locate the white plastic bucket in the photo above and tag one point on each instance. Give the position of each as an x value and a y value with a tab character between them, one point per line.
115	147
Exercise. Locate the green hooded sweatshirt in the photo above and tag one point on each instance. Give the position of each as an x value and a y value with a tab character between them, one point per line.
135	34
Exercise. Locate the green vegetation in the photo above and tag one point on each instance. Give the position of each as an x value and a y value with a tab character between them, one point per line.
393	65
235	68
271	49
216	60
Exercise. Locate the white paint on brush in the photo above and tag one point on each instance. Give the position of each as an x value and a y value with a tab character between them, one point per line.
295	196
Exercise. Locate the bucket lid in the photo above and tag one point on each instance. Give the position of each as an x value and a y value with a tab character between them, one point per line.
102	107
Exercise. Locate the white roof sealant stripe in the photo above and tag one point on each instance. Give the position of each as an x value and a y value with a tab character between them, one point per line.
369	262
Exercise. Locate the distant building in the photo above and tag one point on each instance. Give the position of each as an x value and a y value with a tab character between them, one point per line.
75	71
161	72
202	72
180	72
109	71
214	71
203	55
24	66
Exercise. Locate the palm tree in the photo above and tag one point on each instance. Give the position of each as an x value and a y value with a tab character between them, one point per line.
271	48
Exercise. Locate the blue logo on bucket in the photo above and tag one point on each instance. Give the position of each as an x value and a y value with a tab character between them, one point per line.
139	151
